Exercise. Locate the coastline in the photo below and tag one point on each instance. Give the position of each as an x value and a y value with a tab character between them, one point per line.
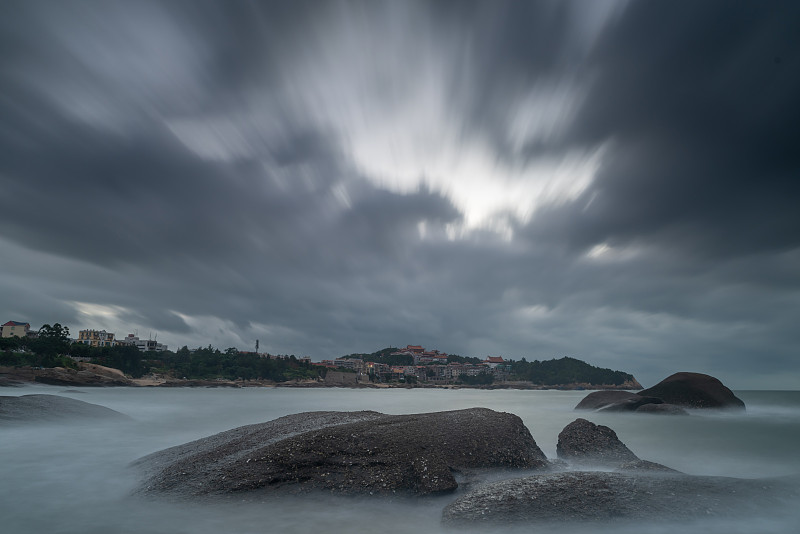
91	375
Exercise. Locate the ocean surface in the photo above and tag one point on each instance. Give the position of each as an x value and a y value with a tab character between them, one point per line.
75	478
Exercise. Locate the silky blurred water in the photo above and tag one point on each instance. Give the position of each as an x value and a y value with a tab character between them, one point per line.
74	478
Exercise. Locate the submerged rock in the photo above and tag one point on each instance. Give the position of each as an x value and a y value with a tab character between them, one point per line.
694	390
615	401
33	408
343	452
662	409
616	497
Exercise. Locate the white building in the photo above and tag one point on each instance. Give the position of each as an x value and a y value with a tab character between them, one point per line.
144	345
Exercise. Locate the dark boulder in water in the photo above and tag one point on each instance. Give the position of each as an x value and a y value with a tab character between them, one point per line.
605	497
694	390
584	442
343	452
615	401
34	408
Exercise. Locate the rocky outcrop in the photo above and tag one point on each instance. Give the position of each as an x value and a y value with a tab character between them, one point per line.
61	376
35	408
599	497
584	442
668	397
343	452
341	379
694	390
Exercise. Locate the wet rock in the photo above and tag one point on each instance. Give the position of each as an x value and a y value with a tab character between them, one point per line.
638	466
584	442
694	390
604	497
36	408
343	452
615	401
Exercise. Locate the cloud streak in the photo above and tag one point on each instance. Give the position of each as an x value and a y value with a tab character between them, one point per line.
614	181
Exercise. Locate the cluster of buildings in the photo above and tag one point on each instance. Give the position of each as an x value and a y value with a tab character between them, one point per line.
428	366
93	338
101	338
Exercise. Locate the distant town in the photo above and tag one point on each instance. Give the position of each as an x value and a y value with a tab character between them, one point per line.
52	347
423	365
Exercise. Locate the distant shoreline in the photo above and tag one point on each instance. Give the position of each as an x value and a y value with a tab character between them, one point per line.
98	376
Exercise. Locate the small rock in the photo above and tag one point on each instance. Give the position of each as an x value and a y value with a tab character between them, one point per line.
585	442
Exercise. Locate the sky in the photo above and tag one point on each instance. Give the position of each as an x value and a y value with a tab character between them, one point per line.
615	181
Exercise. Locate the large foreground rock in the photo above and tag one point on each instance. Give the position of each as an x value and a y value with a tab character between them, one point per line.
617	497
694	390
33	408
343	452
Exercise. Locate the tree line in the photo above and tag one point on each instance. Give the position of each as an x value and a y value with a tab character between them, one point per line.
565	371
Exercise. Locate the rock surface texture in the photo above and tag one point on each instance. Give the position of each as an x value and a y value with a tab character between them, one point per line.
86	376
584	442
616	497
615	401
694	390
33	408
343	452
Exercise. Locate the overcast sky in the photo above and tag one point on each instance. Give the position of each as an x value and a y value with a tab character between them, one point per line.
613	181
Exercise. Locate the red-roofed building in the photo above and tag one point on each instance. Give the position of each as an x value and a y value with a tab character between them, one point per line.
14	329
494	361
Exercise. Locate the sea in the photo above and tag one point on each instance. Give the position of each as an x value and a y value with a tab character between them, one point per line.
76	477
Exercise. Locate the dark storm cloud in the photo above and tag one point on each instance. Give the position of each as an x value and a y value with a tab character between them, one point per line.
700	105
188	167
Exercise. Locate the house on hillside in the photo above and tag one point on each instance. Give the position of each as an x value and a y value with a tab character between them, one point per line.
96	338
15	329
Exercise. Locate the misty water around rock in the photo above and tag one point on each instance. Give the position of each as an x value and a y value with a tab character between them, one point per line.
75	476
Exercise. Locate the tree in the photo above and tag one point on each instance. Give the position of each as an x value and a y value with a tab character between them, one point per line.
52	340
80	350
10	343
